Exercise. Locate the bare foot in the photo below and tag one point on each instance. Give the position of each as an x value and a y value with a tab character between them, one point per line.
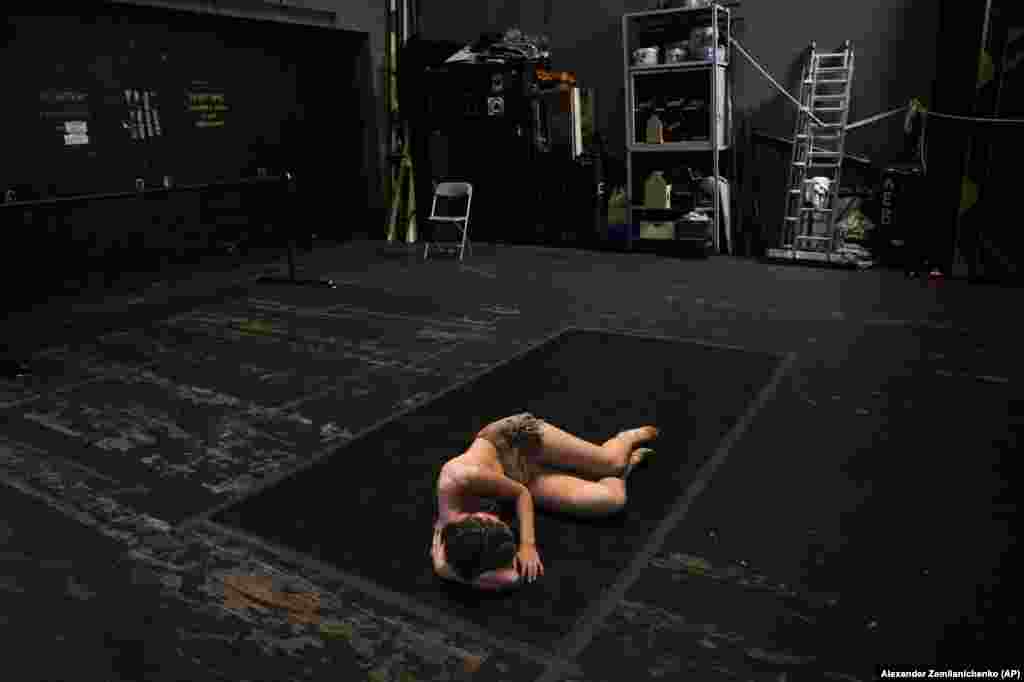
635	458
640	435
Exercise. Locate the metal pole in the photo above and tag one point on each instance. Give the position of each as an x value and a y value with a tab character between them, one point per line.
287	205
960	265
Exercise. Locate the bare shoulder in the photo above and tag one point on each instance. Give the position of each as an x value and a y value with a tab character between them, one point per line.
453	474
481	456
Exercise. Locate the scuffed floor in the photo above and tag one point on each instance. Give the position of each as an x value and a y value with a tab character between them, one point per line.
812	550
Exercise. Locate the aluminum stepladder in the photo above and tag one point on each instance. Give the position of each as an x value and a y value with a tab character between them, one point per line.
818	149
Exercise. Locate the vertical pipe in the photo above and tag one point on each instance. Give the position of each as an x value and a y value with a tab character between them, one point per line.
389	185
960	265
714	130
630	135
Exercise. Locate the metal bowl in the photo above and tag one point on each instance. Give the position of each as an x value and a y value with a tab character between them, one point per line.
645	56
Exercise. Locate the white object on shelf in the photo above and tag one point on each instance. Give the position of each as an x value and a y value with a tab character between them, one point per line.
677	54
707	54
662	230
645	56
648	82
702	37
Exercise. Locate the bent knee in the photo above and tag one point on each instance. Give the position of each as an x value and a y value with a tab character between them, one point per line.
599	503
615	503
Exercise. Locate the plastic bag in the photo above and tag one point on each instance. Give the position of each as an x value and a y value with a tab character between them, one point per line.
617	207
854	225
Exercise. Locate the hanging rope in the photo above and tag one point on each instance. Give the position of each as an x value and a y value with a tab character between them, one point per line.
876	117
976	119
767	75
915	107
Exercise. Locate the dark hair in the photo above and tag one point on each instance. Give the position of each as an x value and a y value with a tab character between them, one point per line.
474	545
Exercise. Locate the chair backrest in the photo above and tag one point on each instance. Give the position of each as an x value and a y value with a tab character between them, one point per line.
452	190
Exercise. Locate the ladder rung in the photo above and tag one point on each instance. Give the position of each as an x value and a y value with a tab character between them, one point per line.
830	69
818	110
803	136
843	96
792	218
806	164
832	55
824	153
816	210
827	125
812	238
830	81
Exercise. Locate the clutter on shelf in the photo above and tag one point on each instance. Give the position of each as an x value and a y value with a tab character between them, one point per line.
678	4
657	191
617	206
853	224
497	48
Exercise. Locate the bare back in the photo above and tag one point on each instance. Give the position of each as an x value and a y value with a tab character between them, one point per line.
453	505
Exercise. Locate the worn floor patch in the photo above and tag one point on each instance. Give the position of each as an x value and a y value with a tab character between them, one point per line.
697	392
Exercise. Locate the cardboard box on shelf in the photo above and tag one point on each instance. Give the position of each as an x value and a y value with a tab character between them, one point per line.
664	230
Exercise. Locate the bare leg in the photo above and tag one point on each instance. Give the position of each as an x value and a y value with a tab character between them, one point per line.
560	492
562	450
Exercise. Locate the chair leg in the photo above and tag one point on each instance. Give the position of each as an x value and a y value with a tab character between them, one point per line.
465	234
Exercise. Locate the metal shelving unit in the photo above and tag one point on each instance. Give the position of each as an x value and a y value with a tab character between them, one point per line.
661	28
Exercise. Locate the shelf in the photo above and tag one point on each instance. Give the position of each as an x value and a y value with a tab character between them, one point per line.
689	146
694	99
698	240
672	10
660	215
679	66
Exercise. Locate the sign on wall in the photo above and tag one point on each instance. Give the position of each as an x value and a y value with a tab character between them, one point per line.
143	114
66	112
207	104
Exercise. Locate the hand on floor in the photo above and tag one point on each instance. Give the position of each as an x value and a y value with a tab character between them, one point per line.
528	563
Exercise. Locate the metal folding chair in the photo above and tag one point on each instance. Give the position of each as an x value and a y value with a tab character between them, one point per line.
452	191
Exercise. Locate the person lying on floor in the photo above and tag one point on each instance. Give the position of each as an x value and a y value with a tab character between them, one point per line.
526	460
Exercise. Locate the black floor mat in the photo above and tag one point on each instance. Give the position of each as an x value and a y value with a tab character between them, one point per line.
368	509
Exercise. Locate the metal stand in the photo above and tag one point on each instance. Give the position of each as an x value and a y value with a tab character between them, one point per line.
289	181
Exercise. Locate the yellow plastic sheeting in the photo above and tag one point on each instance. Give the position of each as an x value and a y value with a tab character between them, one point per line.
968	195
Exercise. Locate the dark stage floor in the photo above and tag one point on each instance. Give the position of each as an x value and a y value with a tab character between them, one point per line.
224	480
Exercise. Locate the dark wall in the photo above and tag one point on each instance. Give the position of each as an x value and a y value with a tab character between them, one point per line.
364	16
194	97
895	41
989	246
295	97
